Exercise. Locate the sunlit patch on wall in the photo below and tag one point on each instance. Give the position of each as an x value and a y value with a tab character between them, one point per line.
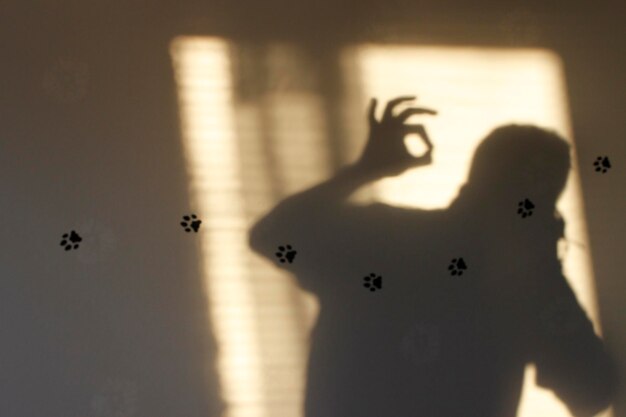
254	127
253	132
474	90
207	119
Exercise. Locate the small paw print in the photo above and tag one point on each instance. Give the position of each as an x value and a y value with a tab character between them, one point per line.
71	240
602	164
286	254
525	208
373	282
190	223
457	266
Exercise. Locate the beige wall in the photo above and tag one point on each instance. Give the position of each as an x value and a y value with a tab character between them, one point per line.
132	315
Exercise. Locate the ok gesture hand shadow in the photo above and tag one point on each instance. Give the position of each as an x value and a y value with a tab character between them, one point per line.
385	153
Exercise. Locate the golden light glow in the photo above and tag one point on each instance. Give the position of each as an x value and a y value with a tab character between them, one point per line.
203	75
248	149
243	157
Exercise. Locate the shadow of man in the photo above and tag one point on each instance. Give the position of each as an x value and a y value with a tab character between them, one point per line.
436	313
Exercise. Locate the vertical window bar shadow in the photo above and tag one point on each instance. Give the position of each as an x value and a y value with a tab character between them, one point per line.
291	116
271	151
293	72
275	321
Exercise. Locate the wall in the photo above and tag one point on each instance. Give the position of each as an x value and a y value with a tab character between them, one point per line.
129	318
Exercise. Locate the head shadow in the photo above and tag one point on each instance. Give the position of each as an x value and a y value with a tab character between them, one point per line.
518	161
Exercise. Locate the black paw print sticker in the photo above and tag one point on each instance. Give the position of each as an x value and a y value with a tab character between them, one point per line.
457	266
71	240
286	254
525	208
373	282
190	223
602	164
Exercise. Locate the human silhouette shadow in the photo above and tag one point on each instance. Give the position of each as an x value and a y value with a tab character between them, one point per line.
402	331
